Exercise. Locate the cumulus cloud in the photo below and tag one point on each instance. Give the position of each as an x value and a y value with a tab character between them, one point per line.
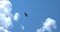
6	16
48	25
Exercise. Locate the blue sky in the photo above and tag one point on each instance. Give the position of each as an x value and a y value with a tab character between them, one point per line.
38	11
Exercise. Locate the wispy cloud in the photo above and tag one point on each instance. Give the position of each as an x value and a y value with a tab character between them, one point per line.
22	27
48	25
6	16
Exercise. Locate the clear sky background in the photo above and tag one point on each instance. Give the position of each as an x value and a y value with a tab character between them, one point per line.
38	11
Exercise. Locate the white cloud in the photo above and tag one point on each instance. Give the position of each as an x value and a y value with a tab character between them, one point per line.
1	28
48	25
6	16
5	30
22	27
16	16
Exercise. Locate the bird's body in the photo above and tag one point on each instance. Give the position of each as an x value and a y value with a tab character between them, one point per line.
26	14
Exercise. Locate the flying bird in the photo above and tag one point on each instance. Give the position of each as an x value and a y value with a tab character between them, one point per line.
25	14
